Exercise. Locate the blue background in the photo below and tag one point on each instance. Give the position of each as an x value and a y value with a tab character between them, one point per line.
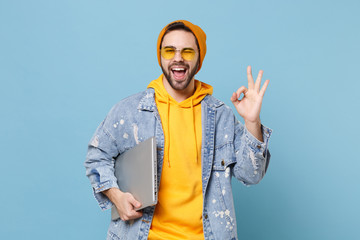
63	64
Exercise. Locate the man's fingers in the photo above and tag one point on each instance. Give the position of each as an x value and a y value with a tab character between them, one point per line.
233	97
136	214
250	78
258	81
263	89
130	204
131	215
236	95
242	89
127	207
134	202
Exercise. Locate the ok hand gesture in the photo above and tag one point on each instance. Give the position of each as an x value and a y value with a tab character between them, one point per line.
250	105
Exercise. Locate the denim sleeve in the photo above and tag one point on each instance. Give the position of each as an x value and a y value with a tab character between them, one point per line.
99	164
252	155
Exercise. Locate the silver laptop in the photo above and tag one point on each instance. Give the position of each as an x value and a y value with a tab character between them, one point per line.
136	173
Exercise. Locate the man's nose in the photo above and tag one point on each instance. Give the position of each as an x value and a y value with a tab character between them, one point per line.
178	56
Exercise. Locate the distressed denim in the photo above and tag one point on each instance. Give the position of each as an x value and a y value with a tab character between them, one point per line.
228	150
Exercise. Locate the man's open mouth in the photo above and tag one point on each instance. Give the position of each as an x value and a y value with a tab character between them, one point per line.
179	73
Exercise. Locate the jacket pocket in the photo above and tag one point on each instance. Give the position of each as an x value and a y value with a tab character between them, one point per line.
224	157
220	198
224	160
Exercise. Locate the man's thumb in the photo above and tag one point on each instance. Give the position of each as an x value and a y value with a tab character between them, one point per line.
134	202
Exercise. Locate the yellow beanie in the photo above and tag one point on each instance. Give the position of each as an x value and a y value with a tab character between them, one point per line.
196	30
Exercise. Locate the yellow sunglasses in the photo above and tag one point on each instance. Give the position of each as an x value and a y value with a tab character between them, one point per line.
168	53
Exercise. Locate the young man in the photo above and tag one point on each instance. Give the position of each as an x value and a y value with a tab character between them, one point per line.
201	146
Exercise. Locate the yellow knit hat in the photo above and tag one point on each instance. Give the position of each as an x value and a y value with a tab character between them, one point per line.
196	30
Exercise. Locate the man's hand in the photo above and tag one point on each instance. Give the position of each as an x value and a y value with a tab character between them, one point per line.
249	106
125	203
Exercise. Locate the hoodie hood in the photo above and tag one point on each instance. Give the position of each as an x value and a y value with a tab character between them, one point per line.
201	90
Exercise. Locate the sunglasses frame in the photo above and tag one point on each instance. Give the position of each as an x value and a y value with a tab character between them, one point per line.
177	50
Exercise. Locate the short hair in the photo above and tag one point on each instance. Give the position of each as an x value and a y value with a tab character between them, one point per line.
179	26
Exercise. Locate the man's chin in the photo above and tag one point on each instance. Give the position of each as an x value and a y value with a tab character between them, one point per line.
179	84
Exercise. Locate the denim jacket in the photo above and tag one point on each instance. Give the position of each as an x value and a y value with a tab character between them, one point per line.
227	150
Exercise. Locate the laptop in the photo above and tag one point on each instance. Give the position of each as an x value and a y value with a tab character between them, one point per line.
136	173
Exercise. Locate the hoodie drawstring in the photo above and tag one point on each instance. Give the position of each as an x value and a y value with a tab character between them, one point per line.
167	140
193	122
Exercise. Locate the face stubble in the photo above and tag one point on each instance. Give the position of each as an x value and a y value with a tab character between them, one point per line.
188	79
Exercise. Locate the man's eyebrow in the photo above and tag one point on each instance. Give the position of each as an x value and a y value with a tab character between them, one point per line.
186	48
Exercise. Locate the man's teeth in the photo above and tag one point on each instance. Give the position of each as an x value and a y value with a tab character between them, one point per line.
178	69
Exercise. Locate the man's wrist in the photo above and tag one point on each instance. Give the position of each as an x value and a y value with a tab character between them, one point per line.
111	193
255	129
253	125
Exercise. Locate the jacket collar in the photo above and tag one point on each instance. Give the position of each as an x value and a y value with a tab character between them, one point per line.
212	102
147	102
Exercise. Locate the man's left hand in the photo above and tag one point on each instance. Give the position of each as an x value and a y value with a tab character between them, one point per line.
249	105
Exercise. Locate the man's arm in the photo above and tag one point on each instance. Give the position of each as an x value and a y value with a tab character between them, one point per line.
99	166
251	141
252	155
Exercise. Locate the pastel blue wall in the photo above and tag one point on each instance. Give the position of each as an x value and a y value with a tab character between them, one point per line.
63	64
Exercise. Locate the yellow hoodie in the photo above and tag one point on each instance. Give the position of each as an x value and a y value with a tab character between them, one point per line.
178	214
